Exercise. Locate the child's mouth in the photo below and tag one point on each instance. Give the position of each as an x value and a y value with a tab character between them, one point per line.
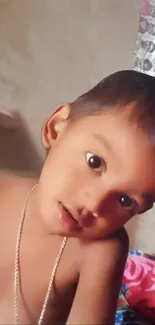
67	218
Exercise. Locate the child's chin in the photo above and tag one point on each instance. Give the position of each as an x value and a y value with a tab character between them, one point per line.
71	233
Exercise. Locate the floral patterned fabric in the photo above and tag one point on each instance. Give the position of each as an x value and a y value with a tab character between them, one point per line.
144	54
136	305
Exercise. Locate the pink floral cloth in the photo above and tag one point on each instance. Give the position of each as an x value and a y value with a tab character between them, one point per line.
144	8
138	288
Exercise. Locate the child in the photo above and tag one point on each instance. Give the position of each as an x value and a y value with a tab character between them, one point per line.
98	174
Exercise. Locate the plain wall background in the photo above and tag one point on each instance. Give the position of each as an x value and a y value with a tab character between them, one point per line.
50	52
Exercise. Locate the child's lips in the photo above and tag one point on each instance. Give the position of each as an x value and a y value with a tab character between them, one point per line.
78	219
67	218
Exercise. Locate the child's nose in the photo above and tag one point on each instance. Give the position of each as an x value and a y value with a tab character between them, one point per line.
96	200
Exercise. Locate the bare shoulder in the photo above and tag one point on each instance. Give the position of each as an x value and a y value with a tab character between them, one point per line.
11	186
9	179
6	178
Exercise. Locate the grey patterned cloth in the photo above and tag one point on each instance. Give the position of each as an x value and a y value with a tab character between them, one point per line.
144	54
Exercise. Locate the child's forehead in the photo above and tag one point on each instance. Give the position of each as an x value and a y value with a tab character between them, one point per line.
109	120
115	131
118	113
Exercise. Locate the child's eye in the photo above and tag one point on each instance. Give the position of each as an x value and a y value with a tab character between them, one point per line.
126	202
94	161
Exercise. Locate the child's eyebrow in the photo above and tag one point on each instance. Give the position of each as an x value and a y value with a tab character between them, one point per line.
103	140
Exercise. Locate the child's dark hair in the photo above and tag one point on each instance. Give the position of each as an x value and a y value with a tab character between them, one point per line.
116	92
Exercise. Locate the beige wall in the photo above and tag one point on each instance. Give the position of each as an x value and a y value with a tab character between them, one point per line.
50	52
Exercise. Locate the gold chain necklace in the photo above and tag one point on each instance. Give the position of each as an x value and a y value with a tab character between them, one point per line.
16	267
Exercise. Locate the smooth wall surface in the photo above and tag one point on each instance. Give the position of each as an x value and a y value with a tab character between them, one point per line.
51	51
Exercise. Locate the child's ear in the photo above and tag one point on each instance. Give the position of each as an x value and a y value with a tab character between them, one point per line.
55	125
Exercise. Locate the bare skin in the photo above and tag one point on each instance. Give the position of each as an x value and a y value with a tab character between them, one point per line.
38	252
101	197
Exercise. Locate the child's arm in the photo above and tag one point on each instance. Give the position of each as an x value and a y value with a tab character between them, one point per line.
100	279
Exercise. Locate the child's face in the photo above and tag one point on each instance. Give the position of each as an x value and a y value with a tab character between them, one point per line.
101	169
